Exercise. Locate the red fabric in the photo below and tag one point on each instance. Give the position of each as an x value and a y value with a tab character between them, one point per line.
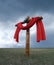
40	28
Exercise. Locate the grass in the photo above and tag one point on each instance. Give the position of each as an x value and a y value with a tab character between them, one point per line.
18	57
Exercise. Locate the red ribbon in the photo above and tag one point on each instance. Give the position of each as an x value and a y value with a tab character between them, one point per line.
39	25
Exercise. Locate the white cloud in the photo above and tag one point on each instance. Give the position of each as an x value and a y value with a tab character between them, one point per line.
7	36
7	32
49	23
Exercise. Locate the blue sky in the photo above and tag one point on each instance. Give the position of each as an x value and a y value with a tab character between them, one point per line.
14	11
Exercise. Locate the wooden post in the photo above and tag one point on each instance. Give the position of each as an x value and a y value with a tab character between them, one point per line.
27	36
27	42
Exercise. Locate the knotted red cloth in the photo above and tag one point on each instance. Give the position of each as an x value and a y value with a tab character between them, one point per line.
39	25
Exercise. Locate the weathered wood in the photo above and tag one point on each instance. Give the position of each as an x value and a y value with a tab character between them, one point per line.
27	42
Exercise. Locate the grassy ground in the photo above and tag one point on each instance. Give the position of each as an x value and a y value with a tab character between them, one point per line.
17	57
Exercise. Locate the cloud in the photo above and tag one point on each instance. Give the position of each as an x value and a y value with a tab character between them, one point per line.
7	31
7	36
12	9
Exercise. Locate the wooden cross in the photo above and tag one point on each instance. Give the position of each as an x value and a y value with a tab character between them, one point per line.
27	37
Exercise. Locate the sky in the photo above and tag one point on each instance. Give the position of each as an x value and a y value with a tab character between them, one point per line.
14	11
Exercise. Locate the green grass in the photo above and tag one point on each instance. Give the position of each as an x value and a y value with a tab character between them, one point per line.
18	57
